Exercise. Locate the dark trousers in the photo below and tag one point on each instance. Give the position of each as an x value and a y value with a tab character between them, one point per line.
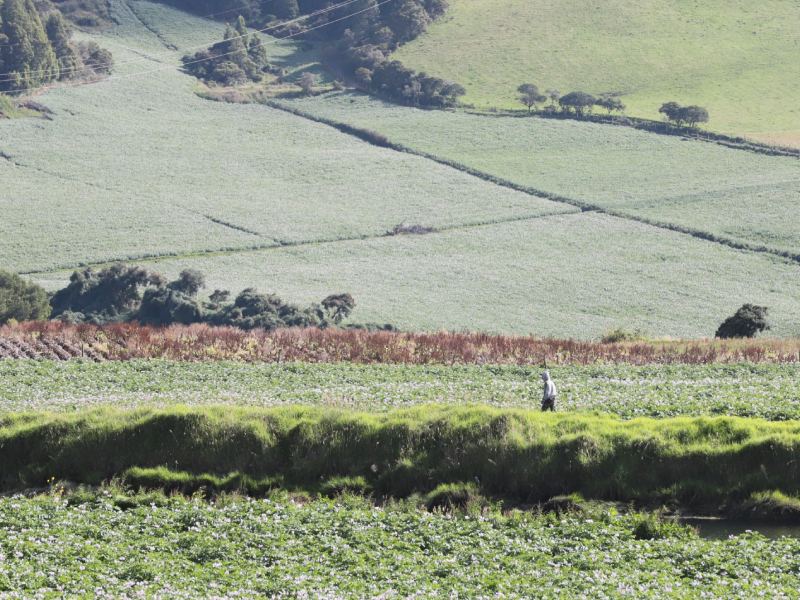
549	404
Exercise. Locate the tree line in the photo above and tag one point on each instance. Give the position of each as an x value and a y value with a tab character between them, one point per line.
126	293
359	45
36	49
238	58
581	104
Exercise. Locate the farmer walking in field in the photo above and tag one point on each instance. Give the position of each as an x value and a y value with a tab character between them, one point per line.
549	396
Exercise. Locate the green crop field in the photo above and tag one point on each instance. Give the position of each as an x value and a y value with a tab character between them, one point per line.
738	195
573	275
736	58
262	549
765	391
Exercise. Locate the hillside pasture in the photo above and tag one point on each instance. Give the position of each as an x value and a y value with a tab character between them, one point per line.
573	275
739	195
736	58
128	163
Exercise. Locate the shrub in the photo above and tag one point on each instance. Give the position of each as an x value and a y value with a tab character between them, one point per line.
614	336
110	294
749	320
21	300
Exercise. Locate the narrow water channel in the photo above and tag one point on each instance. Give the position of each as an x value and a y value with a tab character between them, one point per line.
721	529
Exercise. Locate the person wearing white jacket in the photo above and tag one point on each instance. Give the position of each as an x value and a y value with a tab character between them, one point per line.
549	396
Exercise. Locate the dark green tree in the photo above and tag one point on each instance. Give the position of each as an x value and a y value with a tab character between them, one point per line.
110	294
253	310
100	60
228	74
693	115
338	306
286	9
166	305
58	33
452	92
258	52
610	103
21	300
189	282
241	31
580	102
27	56
530	96
409	20
749	320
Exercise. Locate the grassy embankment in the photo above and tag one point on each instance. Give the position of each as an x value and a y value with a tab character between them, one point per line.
515	454
736	60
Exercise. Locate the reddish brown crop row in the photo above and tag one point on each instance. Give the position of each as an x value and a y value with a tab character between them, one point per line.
60	341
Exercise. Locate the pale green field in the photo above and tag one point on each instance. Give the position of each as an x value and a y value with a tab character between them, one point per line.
138	165
573	275
739	59
740	195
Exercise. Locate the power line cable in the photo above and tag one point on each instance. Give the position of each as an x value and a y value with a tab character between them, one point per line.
274	41
93	67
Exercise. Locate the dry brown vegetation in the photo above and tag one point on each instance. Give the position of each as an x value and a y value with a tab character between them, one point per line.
60	341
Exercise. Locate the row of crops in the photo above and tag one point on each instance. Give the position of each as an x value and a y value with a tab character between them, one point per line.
765	391
158	548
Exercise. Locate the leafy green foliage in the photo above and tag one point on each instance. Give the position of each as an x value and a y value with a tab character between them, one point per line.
348	549
684	115
578	102
110	294
749	320
27	58
530	96
21	300
239	58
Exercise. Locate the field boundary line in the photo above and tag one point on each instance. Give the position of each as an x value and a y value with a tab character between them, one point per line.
283	244
364	135
164	42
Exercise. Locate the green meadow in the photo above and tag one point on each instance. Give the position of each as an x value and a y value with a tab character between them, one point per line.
738	195
736	58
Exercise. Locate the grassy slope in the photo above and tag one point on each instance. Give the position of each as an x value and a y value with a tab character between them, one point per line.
737	58
138	165
657	391
565	276
739	195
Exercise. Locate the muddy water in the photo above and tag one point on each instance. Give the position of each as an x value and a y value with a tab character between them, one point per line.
721	529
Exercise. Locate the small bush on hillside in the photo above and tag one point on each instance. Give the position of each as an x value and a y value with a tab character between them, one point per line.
614	336
749	320
21	300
